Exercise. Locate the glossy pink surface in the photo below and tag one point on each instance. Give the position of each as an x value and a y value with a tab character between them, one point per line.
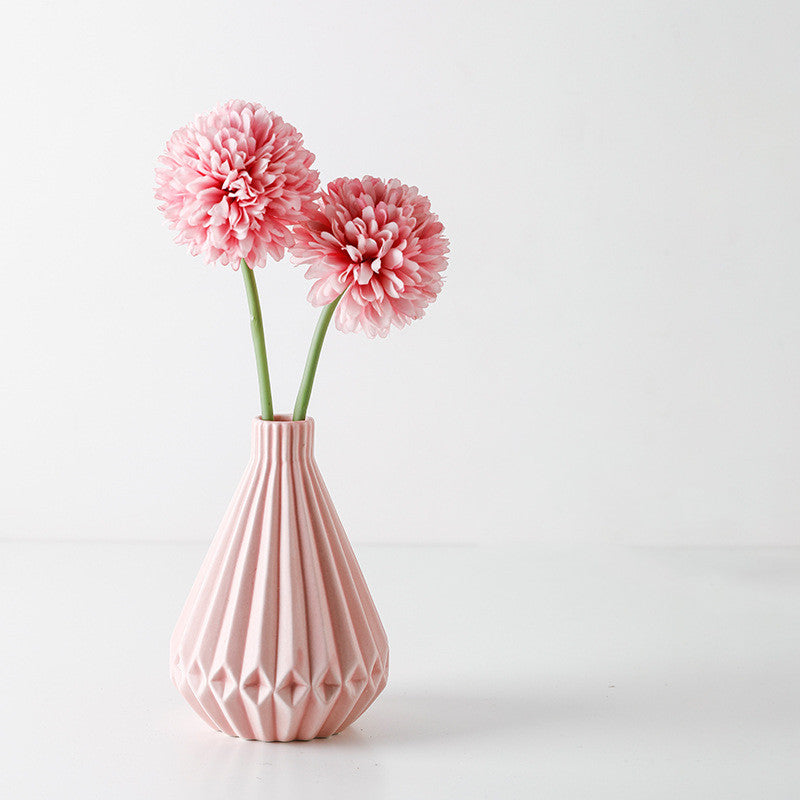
279	638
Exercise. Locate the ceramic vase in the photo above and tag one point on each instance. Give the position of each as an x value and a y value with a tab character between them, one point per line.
279	639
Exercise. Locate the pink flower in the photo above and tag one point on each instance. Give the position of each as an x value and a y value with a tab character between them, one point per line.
234	182
380	245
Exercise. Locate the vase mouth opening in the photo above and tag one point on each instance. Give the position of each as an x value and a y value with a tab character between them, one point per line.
283	419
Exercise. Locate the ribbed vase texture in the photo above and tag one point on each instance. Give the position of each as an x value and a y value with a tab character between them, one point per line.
279	638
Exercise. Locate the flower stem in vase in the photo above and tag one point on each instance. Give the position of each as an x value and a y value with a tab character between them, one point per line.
307	383
257	329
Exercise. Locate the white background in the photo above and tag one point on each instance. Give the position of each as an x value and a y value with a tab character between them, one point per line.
613	361
614	356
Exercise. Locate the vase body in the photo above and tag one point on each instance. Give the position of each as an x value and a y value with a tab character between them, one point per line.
279	638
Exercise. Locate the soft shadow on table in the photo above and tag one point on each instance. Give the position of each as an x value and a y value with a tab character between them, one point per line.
225	766
417	716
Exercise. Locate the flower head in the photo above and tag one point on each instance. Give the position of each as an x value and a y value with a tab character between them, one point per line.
233	183
379	244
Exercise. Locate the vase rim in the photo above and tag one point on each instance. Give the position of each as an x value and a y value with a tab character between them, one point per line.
283	419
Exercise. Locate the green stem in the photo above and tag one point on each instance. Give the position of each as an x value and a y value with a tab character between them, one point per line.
307	383
257	329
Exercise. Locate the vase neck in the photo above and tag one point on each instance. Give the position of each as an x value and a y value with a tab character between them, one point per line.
282	439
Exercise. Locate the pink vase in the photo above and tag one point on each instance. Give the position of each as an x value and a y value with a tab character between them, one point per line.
279	638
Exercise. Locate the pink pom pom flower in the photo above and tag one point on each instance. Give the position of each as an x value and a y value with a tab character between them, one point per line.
233	183
376	244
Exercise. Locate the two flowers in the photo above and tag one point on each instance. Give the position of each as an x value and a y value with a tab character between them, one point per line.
237	187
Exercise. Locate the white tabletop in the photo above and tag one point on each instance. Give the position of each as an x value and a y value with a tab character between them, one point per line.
515	673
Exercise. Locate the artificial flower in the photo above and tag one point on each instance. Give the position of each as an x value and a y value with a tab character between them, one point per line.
378	246
234	182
